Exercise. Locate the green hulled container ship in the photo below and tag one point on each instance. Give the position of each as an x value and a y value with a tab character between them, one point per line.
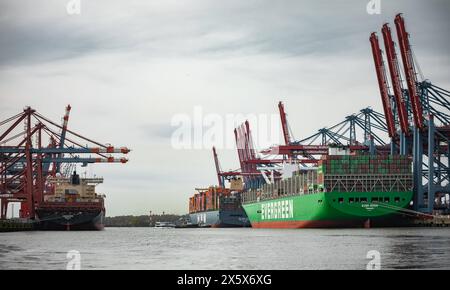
343	191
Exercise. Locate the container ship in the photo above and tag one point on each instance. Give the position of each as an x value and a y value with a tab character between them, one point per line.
74	205
218	207
342	191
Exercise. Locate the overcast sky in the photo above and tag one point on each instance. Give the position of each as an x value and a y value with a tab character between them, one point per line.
127	67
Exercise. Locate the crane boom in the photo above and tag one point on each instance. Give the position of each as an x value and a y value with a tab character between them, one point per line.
410	72
63	134
382	83
218	171
284	125
395	78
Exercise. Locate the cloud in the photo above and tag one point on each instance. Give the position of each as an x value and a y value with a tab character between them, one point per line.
44	32
160	130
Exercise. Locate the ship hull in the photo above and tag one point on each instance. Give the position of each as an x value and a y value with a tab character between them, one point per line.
64	220
328	210
220	218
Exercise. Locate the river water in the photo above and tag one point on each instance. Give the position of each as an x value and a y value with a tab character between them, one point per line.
244	248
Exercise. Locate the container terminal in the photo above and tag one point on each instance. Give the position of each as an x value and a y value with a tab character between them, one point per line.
338	178
42	176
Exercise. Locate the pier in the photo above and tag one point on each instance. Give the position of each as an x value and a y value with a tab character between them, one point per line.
435	221
16	225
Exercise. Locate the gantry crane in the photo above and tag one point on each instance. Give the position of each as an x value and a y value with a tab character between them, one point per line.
26	164
417	108
416	119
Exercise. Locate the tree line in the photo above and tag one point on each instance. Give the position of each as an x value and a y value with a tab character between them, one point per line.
140	221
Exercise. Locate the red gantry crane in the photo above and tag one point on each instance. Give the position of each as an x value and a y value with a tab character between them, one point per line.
427	138
26	163
284	124
410	72
218	171
383	85
396	79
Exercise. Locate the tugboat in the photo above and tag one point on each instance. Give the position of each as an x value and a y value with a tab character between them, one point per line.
185	223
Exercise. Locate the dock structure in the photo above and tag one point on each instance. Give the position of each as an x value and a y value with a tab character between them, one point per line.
16	225
435	221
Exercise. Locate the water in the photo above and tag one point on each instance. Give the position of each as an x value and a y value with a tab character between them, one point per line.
148	248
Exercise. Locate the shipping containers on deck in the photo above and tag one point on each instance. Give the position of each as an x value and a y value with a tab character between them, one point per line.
217	207
342	173
207	199
365	173
364	164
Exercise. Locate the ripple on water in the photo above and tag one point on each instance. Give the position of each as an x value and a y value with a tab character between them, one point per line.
146	248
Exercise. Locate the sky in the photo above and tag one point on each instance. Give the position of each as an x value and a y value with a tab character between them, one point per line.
129	68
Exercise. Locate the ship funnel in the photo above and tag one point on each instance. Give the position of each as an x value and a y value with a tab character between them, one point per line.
75	178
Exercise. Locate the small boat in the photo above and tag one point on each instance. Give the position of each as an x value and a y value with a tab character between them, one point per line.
186	226
204	225
164	225
185	223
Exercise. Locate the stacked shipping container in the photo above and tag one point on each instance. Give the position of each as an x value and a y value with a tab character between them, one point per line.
207	200
343	173
301	182
365	173
364	164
